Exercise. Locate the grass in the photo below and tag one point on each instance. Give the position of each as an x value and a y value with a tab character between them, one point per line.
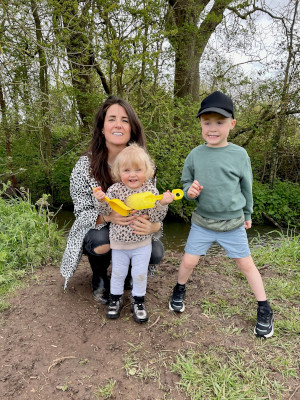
262	372
242	367
105	391
28	238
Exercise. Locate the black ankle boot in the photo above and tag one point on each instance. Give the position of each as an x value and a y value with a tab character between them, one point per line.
100	280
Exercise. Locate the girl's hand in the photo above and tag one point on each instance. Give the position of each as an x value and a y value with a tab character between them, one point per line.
99	194
168	197
142	226
194	190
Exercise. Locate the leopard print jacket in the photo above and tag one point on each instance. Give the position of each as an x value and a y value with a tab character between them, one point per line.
122	237
86	211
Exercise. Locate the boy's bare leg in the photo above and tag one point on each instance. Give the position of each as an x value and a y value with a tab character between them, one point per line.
247	266
187	265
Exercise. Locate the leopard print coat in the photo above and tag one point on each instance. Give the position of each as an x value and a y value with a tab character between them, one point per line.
86	210
86	213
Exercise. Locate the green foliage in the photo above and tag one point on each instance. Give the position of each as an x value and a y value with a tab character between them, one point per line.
28	238
169	143
282	203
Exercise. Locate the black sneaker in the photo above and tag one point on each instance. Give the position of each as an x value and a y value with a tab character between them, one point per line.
114	308
151	269
265	322
139	312
101	296
177	300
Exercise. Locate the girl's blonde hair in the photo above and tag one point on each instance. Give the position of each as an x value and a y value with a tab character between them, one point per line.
133	156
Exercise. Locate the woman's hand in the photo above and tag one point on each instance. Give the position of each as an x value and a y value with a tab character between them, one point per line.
142	226
116	218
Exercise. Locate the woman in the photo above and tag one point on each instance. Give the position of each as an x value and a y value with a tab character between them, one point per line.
116	125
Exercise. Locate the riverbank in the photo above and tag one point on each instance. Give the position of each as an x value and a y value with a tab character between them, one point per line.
176	232
57	345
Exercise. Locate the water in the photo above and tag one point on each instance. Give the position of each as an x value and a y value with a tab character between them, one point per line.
176	232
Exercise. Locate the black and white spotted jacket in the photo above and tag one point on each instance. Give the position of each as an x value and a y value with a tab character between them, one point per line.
86	213
86	210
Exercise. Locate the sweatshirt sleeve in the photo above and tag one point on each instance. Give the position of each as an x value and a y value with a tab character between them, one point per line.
187	176
246	188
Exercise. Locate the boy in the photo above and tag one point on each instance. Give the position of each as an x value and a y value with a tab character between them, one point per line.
218	177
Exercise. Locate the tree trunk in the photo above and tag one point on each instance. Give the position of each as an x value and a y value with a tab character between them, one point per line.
6	131
189	41
80	54
46	152
279	128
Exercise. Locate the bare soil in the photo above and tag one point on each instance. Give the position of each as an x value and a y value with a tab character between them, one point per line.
59	345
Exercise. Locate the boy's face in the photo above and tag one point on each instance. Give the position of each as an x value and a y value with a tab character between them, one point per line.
216	128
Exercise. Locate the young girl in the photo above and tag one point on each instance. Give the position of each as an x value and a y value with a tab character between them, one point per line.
133	170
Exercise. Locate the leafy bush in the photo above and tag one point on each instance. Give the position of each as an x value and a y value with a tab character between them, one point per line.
28	237
281	204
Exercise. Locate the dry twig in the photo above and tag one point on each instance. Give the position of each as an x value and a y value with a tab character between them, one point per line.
155	322
59	361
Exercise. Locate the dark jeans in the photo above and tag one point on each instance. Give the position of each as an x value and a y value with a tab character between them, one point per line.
95	238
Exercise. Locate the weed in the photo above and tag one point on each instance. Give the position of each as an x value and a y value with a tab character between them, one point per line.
28	238
84	361
105	391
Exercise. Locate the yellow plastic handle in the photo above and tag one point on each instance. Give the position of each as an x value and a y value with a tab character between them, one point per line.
178	193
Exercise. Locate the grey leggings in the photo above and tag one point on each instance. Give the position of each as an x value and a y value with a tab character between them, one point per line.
139	259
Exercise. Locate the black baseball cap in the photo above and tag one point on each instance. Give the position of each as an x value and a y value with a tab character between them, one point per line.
219	103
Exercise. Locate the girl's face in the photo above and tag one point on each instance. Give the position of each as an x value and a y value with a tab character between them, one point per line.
133	176
116	128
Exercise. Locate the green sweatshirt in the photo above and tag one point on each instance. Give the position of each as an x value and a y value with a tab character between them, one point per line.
226	176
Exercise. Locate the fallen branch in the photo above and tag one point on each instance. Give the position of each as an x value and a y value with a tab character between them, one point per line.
59	361
271	220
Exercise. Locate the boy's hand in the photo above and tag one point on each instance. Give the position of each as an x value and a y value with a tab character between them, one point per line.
194	190
168	197
248	224
99	194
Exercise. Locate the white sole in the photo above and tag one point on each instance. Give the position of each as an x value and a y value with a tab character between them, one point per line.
264	336
179	311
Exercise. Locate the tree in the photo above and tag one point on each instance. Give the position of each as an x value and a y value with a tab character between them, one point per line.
291	69
189	36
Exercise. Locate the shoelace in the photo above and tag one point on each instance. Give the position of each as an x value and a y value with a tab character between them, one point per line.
140	306
113	304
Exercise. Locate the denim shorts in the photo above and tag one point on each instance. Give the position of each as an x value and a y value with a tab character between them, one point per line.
234	242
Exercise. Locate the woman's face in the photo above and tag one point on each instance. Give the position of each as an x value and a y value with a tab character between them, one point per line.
116	128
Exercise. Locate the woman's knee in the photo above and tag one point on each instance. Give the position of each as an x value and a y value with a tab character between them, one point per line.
97	241
102	249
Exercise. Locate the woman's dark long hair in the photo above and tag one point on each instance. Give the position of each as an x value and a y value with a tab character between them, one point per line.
98	152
